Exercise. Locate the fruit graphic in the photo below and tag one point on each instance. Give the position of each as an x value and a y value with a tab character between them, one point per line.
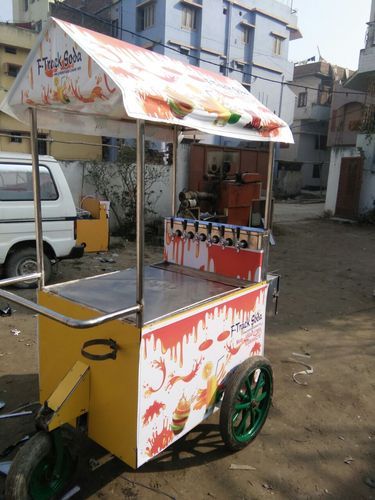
206	397
224	115
180	416
205	345
60	94
223	336
255	123
234	117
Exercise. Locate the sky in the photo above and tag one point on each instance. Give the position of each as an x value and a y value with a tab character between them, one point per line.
337	27
5	10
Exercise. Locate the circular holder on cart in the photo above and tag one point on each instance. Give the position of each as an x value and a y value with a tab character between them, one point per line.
246	402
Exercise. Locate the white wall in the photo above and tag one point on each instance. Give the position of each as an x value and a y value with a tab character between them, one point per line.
75	173
367	197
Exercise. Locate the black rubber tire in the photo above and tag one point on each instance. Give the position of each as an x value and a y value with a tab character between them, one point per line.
16	259
27	458
233	386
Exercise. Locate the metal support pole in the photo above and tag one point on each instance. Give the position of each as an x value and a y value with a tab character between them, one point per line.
174	170
36	191
268	208
140	217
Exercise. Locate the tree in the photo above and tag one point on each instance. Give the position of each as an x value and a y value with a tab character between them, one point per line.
117	182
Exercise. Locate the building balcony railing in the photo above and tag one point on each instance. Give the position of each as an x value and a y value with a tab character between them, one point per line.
289	3
320	112
366	60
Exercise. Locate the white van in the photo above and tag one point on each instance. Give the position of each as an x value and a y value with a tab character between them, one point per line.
17	227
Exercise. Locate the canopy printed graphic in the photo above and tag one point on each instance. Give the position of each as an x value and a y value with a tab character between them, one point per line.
83	81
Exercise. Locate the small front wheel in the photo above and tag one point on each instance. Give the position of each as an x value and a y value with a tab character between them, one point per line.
39	471
247	399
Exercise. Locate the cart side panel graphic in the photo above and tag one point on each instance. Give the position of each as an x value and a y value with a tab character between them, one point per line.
184	363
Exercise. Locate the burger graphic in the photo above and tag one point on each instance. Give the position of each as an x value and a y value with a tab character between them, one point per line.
179	108
180	416
179	104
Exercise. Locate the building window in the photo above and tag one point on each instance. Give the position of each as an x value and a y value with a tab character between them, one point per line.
11	69
15	137
42	144
246	34
189	18
146	16
320	142
302	99
10	50
277	42
316	171
114	28
26	5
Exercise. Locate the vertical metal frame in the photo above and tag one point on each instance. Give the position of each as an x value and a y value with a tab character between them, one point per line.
174	170
37	198
268	207
140	238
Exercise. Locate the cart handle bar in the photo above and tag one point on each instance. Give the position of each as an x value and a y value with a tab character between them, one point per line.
65	320
19	279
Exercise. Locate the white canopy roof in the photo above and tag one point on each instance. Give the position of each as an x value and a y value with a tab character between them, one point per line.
86	82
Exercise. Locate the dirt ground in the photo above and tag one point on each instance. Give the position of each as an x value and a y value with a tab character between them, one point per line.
319	438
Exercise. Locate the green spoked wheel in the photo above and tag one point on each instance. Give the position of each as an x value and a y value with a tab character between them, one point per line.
246	402
41	469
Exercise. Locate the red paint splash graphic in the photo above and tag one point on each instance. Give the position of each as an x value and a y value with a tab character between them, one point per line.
159	365
224	335
152	411
233	263
233	350
243	264
184	378
256	348
172	337
159	440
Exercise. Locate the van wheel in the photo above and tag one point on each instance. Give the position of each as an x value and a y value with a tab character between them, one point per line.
23	262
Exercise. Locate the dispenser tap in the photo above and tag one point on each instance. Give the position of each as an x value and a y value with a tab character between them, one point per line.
209	229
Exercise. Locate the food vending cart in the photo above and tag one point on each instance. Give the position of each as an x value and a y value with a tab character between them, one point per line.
138	357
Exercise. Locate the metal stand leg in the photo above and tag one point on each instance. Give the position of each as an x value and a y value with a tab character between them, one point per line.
140	217
37	202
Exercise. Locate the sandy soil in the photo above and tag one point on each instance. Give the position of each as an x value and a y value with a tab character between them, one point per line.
319	438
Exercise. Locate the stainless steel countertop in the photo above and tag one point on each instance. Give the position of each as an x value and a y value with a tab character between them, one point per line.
165	291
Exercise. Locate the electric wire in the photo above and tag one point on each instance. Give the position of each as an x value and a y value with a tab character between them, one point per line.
197	58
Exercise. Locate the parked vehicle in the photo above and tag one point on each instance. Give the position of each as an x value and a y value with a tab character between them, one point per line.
17	226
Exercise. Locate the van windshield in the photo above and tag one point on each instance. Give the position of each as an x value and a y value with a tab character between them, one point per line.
16	183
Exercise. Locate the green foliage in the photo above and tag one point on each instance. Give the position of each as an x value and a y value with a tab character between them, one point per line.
117	182
368	217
